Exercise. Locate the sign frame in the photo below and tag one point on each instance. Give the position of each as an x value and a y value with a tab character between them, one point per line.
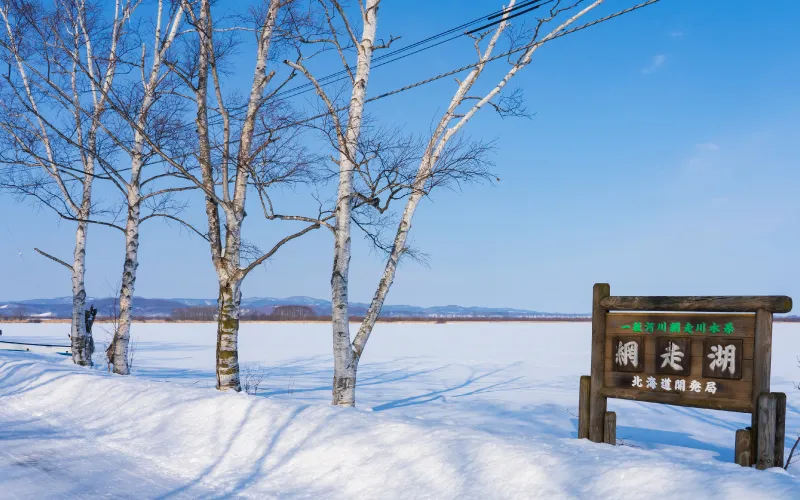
595	423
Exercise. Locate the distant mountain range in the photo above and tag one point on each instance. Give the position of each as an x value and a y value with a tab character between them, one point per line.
61	307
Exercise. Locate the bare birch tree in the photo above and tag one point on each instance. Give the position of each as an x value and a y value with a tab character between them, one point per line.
264	154
43	99
346	141
142	122
436	164
374	168
128	114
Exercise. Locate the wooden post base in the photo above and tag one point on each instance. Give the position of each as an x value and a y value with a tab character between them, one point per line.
743	454
610	428
583	407
771	430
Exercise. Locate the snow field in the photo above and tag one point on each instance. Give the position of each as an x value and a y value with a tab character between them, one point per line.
444	411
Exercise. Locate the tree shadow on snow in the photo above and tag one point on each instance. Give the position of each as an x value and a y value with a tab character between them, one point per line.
319	370
258	470
169	346
12	430
31	384
174	374
452	390
208	471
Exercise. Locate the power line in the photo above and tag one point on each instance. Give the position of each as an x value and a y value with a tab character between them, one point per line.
513	51
506	18
473	65
398	54
403	56
516	7
402	52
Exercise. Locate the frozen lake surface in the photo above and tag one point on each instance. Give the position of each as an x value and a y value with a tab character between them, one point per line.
444	411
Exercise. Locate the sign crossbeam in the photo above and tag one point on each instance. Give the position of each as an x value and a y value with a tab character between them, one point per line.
769	303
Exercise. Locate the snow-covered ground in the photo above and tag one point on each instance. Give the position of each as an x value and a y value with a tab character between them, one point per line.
444	411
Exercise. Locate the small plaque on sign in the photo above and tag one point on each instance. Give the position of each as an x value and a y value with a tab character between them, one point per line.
628	354
673	355
722	358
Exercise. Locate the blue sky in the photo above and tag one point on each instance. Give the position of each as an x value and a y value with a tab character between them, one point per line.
662	159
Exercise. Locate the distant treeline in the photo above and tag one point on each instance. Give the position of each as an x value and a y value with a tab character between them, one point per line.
301	313
306	313
279	313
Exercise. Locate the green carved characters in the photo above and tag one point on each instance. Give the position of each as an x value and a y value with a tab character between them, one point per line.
676	327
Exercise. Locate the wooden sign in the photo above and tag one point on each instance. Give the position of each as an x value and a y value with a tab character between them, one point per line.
702	352
697	360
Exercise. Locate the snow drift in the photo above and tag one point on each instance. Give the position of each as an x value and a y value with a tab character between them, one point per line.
71	432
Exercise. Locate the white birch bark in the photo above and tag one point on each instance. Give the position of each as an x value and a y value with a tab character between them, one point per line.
226	252
82	343
230	273
443	133
122	334
345	363
121	341
229	302
81	346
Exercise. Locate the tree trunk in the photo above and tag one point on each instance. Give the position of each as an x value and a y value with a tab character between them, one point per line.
81	341
119	348
344	368
344	360
122	335
388	275
344	376
230	298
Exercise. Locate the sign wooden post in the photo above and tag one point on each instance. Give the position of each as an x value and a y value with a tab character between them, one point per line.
597	400
702	352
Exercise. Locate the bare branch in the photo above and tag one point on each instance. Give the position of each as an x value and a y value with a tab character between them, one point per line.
178	220
275	248
92	221
168	190
54	259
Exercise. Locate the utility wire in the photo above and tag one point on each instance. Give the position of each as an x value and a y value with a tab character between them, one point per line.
506	18
303	88
516	7
473	65
402	52
470	66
